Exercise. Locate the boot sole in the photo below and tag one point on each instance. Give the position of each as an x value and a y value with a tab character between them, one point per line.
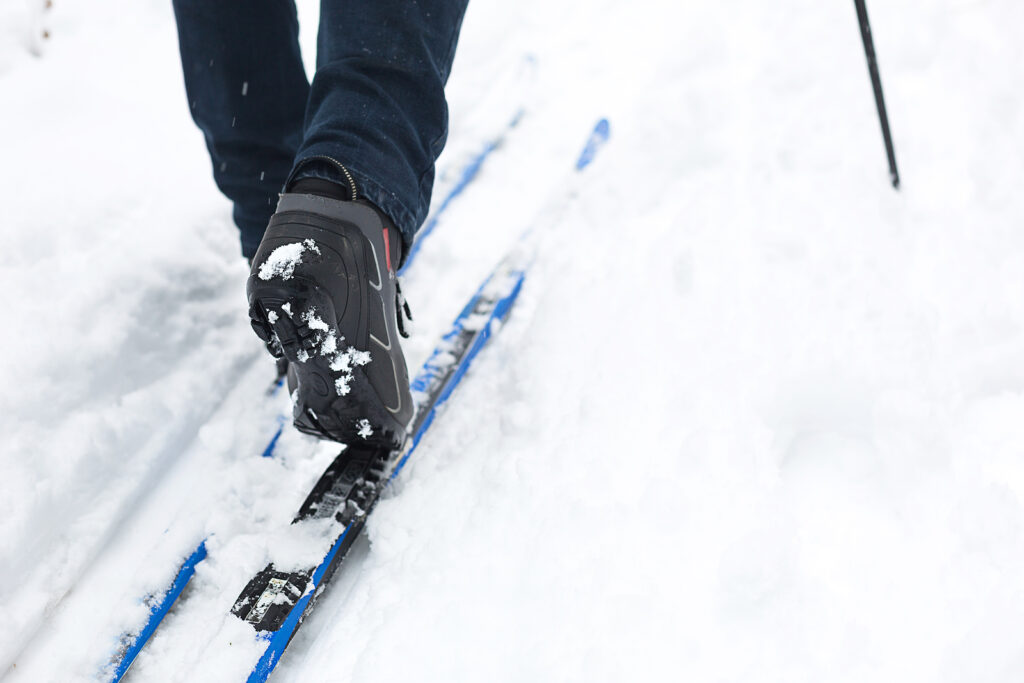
328	403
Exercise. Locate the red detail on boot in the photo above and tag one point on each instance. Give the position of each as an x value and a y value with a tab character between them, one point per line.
387	249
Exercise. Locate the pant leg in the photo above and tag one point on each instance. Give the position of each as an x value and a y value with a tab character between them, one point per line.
247	90
377	101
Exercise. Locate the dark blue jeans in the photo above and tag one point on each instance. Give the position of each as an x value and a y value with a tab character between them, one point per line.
376	103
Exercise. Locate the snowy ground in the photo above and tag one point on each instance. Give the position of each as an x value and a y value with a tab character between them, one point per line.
757	417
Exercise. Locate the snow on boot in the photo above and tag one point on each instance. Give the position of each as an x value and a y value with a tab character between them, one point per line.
323	294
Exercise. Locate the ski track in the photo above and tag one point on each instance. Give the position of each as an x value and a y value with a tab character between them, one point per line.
755	416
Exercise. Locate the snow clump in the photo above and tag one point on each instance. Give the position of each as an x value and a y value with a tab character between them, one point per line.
345	362
282	261
327	345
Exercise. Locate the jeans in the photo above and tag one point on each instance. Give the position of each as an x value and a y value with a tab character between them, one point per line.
376	102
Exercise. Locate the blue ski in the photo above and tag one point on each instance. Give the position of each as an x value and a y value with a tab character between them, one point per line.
275	603
130	644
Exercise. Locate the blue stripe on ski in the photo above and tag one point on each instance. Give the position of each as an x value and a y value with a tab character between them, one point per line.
268	452
469	173
501	310
158	611
602	131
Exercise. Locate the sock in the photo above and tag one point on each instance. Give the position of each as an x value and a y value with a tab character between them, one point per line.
321	188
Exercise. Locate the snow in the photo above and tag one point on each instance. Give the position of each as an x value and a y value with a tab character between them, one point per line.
326	343
755	417
283	260
314	321
301	546
345	363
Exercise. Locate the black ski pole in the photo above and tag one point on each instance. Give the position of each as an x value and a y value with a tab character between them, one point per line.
876	83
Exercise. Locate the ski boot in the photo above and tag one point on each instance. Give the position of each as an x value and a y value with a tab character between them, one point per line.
323	295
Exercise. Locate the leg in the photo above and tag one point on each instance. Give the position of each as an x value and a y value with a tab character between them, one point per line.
377	100
247	91
322	289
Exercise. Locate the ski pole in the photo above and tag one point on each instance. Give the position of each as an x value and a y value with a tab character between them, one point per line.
876	83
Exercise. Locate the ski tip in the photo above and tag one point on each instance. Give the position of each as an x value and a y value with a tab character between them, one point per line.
598	136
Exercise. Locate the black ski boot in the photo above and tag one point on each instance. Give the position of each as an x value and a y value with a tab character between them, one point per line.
323	294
